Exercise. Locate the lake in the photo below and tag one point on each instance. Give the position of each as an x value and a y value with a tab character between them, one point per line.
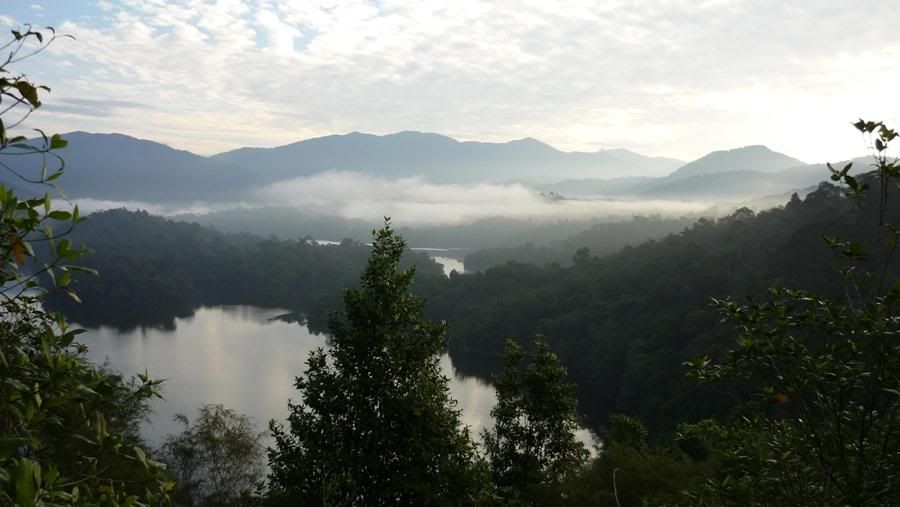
450	259
239	357
246	359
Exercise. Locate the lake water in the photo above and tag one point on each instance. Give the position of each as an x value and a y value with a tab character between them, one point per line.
449	264
450	259
239	357
245	359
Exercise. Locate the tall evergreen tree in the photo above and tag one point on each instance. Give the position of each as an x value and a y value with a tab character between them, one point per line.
376	424
532	446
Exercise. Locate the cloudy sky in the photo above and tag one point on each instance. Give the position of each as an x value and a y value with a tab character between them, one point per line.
667	77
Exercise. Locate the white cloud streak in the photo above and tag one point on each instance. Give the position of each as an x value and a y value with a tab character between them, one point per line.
667	77
415	201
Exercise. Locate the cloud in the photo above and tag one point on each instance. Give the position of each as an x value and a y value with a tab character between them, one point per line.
92	108
666	77
415	201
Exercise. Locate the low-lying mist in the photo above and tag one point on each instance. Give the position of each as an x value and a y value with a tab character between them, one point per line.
88	205
416	201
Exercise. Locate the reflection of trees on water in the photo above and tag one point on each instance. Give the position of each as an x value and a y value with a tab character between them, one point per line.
121	315
483	367
475	365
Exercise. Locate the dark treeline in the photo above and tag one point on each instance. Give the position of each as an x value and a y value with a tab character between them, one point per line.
153	270
624	323
496	232
600	239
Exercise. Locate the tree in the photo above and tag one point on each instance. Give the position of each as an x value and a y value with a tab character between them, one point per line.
532	446
67	428
376	424
217	460
824	428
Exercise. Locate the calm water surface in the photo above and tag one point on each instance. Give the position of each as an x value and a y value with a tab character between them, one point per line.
449	264
239	357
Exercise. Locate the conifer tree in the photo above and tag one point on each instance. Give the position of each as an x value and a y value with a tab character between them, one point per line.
532	446
376	424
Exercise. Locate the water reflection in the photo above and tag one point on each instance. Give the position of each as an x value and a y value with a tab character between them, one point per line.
450	259
449	264
243	357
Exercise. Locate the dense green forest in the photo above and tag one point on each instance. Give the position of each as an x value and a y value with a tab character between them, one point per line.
488	233
153	270
622	322
600	239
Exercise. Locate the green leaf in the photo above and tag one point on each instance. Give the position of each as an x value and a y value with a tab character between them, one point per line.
29	93
60	215
73	295
24	479
57	142
854	249
141	457
9	446
64	248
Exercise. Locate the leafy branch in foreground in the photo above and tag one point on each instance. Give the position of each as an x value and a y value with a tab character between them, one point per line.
824	427
217	459
67	428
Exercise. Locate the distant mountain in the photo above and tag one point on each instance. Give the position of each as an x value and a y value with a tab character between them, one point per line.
442	159
749	158
117	167
740	173
122	168
735	185
724	186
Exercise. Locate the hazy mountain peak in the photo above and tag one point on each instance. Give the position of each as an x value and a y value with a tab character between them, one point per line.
529	140
418	134
531	143
442	159
119	141
746	158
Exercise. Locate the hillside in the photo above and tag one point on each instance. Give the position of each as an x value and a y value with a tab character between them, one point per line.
123	168
625	322
441	159
747	158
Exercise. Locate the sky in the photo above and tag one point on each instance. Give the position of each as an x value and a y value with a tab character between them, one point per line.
663	77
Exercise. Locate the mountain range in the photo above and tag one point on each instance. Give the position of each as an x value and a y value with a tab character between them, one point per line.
442	159
117	167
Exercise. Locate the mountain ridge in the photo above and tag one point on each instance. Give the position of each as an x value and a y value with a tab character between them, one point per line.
444	159
120	167
754	157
